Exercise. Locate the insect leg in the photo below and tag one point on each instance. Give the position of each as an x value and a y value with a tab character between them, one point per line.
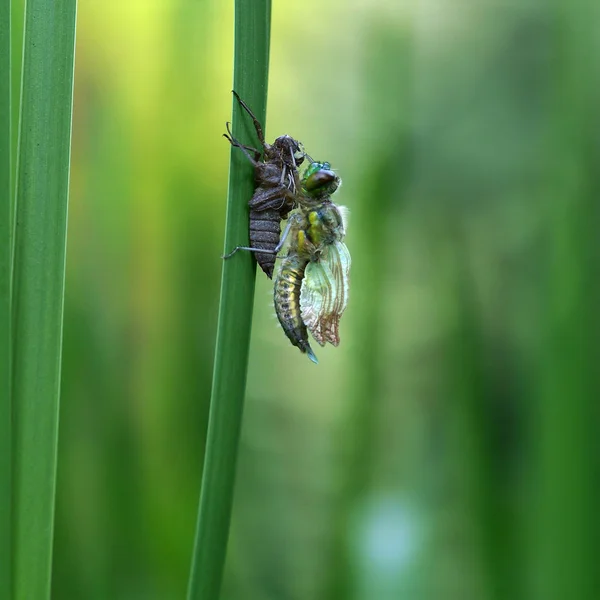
245	149
290	223
292	183
257	125
261	250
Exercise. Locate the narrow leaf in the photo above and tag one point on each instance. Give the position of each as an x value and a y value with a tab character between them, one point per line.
40	238
251	61
5	292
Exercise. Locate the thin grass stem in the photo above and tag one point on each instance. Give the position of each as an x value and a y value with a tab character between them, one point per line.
5	302
251	61
39	269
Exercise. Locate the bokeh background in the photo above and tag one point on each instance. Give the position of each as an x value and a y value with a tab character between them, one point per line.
448	449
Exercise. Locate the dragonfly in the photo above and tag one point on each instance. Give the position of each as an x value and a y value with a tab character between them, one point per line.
312	284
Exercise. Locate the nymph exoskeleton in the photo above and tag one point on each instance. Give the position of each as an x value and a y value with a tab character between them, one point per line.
276	178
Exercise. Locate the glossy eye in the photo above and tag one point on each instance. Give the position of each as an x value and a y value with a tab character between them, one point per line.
321	182
319	179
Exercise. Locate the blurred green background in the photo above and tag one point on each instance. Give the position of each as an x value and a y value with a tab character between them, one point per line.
448	449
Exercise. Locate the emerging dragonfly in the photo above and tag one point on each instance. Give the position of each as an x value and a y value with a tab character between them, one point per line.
276	177
311	287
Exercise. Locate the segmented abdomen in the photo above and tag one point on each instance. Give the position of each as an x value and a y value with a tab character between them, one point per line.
265	231
269	205
286	297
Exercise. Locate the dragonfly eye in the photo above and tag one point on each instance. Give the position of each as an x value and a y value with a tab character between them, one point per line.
321	182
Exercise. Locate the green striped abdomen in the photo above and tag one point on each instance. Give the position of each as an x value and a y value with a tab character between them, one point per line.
286	297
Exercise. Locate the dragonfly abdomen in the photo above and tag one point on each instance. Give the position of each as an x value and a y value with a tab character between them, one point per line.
286	297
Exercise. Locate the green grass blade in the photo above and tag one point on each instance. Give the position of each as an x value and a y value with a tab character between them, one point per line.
17	19
251	62
40	238
563	505
5	292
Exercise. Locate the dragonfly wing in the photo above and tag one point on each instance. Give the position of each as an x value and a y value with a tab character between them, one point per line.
324	294
315	299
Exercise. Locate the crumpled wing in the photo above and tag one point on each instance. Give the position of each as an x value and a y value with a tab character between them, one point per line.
324	293
345	215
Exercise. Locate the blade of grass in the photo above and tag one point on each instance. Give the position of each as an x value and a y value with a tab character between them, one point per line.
40	239
17	21
5	318
563	506
251	63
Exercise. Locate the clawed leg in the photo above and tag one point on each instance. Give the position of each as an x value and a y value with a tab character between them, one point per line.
245	149
291	221
277	248
292	182
257	125
285	172
260	250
